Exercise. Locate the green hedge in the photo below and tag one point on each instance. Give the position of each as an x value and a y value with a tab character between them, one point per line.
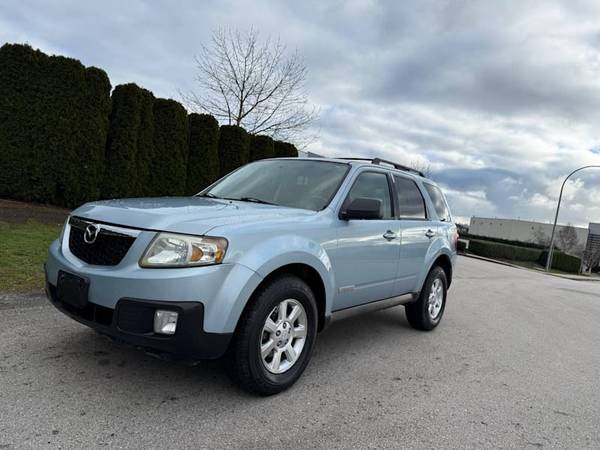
504	251
503	241
53	127
562	261
169	156
64	142
261	147
461	246
285	149
234	148
129	142
203	152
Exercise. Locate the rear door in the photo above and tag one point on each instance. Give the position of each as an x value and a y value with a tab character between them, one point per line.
365	262
416	230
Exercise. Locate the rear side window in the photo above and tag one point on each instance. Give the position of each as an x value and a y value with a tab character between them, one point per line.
410	201
438	201
372	185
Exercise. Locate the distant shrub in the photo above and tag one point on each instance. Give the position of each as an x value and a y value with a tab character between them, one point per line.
261	147
203	152
285	149
503	241
504	251
562	261
234	148
169	155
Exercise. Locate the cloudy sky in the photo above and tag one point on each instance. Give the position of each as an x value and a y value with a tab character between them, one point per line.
501	98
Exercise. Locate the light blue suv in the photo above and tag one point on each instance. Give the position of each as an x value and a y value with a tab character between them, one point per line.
258	263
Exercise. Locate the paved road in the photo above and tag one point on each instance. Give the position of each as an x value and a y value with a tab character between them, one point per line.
515	363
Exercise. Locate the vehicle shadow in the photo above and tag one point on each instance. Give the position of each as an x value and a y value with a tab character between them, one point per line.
84	360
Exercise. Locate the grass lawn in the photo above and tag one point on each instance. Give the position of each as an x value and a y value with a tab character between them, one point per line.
23	250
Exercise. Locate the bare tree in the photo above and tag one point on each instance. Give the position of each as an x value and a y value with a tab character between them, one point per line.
567	239
591	258
422	166
252	83
591	255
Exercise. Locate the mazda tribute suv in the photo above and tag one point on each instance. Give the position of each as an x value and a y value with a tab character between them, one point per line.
254	266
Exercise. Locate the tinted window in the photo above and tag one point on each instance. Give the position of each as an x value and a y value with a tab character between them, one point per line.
410	201
372	185
287	182
438	201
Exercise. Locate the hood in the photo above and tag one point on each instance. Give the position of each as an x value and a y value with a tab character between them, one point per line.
192	215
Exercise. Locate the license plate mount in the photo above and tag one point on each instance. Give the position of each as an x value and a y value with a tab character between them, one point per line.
72	289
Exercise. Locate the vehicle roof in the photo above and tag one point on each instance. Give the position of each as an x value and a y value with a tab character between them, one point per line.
365	163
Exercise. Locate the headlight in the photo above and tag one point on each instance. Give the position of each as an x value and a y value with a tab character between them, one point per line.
180	250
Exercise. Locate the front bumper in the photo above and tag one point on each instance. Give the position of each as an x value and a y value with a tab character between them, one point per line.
131	322
223	289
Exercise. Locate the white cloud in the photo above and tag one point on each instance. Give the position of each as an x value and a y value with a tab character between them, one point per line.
502	99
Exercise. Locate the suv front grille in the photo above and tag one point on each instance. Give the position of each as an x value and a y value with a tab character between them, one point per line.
107	249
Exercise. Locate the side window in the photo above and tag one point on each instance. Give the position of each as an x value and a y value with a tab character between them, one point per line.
410	201
438	201
372	185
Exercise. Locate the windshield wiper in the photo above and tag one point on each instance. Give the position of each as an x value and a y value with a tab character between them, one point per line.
254	200
242	199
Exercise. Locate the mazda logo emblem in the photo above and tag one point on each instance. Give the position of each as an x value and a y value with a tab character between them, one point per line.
91	233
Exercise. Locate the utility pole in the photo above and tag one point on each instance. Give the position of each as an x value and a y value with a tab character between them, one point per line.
551	249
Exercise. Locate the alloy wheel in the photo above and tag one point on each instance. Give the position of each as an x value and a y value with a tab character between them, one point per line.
436	299
283	336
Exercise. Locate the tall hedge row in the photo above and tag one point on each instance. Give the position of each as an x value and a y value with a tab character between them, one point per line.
234	148
168	165
285	149
65	141
203	152
129	142
261	147
53	127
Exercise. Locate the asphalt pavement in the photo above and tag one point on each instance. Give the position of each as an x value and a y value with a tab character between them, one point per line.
515	363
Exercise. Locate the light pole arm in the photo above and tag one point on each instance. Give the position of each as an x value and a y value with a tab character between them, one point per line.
551	249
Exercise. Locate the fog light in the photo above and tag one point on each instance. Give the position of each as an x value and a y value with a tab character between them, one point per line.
165	322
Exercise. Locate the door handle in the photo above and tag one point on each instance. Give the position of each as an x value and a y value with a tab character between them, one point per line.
389	235
430	233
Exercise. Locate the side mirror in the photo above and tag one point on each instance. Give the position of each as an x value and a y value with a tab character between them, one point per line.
362	208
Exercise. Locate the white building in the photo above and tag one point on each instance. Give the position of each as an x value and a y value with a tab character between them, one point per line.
523	231
592	249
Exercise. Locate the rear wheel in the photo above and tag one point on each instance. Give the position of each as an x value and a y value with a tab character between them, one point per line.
426	313
274	339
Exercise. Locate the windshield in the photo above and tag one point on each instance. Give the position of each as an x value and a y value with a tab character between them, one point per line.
297	183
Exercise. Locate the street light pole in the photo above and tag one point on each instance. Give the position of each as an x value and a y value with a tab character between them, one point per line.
551	249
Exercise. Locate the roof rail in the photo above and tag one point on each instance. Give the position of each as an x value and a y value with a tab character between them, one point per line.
378	161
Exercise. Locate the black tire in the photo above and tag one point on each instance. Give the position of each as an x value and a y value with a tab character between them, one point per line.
417	313
244	362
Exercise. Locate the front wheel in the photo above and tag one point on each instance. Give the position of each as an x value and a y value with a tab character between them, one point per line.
274	339
426	313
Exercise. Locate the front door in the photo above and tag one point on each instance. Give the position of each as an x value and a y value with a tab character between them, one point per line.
365	261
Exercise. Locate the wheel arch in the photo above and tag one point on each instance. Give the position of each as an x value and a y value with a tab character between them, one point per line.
311	277
443	261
